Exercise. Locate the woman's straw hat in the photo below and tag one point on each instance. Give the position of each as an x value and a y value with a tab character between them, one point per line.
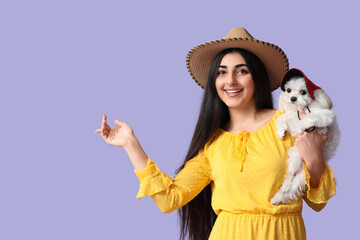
199	58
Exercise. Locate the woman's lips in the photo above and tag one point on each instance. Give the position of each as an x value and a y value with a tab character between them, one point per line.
233	93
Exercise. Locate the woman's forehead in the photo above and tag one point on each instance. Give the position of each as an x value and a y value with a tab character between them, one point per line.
232	59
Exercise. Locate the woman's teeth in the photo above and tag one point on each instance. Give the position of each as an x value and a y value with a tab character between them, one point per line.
233	91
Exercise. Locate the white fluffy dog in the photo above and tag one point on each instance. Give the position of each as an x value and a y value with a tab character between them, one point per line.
300	93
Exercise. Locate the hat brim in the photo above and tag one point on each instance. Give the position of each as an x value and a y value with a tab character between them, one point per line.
200	58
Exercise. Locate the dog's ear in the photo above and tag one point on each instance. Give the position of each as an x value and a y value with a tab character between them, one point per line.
282	103
323	99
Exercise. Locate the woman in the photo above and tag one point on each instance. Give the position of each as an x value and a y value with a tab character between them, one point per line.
236	162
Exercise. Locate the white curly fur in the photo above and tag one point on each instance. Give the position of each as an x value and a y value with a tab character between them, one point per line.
319	116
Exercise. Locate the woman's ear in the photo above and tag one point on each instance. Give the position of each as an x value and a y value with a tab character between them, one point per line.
323	99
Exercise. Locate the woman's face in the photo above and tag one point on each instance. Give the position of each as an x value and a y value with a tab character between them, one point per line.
234	83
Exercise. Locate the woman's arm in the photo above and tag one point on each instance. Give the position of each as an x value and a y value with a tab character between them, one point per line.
167	192
170	193
319	176
310	146
136	153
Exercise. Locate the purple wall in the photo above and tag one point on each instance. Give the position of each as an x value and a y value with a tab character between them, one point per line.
65	63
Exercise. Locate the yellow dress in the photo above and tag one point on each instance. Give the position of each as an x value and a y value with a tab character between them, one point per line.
245	171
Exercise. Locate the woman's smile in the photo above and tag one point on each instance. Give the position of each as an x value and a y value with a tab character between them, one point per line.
233	93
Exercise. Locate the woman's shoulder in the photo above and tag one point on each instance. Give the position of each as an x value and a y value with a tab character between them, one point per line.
269	114
267	117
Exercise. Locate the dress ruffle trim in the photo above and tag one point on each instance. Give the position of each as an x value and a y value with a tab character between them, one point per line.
152	180
326	188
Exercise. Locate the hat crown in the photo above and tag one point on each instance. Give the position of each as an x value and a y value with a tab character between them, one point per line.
238	32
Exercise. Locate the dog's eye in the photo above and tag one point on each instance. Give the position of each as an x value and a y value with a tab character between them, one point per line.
288	90
303	92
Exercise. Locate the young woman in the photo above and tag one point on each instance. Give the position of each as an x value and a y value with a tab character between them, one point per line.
235	163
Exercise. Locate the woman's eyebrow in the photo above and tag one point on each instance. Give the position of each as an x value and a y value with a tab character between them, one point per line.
240	65
236	66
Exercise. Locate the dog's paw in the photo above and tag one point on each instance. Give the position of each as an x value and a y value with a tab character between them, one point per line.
278	198
287	185
281	133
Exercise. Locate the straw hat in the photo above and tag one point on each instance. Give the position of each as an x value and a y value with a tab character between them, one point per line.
199	58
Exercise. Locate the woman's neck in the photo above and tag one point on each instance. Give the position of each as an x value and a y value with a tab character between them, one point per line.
248	119
241	117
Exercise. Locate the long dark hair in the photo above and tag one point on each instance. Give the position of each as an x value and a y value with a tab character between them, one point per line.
197	217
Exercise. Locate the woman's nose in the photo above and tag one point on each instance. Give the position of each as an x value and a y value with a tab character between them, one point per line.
231	78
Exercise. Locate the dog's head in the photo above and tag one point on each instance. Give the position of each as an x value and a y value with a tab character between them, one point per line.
296	95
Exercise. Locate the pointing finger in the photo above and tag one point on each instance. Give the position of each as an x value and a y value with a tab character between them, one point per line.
104	123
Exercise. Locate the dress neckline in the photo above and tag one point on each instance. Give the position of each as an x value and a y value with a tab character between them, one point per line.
255	131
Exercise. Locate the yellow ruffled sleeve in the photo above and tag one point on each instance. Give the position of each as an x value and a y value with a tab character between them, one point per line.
170	193
326	188
152	180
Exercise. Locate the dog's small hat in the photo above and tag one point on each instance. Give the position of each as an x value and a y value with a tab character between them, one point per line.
294	72
199	58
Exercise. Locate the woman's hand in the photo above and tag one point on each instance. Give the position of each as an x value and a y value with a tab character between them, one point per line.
119	137
124	137
310	146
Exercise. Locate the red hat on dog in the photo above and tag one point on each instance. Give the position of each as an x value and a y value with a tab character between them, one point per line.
293	72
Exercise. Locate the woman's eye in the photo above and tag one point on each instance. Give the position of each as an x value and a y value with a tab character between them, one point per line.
303	92
221	72
242	71
288	90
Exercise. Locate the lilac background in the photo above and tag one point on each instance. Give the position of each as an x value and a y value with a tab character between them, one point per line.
65	63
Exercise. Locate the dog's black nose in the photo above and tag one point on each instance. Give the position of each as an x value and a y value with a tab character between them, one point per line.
293	99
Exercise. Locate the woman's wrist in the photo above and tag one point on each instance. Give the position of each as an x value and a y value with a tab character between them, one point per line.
316	169
131	143
136	154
